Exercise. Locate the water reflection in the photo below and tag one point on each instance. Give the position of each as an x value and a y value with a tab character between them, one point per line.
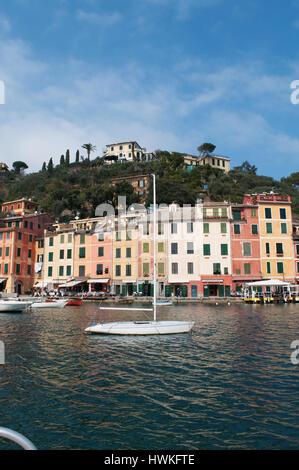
229	384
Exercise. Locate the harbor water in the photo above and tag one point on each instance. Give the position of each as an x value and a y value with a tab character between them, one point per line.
228	385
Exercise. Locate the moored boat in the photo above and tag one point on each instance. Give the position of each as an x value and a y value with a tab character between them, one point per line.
142	328
74	302
49	304
13	306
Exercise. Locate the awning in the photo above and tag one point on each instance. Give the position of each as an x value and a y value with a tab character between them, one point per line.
212	281
178	282
71	283
2	280
269	282
98	281
42	284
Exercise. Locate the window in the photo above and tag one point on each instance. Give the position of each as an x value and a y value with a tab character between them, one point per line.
145	247
268	213
145	268
161	247
247	249
216	269
237	215
50	256
100	251
224	249
29	270
224	212
18	268
174	268
206	227
223	227
6	269
160	228
51	241
101	237
284	228
128	235
118	253
82	252
81	271
61	238
190	248
279	248
297	267
161	268
174	227
69	238
31	225
69	254
269	227
206	250
268	267
254	229
253	212
29	253
267	248
68	270
61	270
247	268
174	248
226	271
18	251
283	213
118	236
7	251
20	236
30	238
128	270
82	238
215	212
99	269
237	229
189	227
190	268
280	269
297	250
128	252
50	271
61	254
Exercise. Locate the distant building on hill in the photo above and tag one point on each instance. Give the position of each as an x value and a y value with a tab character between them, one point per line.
215	161
140	183
3	168
126	152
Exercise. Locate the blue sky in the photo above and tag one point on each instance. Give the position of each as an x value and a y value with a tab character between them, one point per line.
170	74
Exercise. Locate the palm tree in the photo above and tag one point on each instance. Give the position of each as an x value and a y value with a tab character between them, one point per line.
89	148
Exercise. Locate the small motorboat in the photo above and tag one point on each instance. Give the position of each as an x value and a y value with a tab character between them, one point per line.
51	303
163	303
14	306
74	302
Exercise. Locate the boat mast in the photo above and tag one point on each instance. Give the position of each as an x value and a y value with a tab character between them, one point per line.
155	248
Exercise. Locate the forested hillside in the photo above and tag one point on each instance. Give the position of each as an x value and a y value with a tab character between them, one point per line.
71	189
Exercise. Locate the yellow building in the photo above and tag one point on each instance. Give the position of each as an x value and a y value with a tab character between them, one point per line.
216	161
276	230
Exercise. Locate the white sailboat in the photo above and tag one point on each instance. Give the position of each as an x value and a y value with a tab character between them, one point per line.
37	304
151	327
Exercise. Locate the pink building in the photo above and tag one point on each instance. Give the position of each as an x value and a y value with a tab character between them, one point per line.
245	244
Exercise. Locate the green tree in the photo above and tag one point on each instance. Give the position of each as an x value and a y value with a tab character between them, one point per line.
19	167
62	162
50	165
67	157
89	148
77	156
206	149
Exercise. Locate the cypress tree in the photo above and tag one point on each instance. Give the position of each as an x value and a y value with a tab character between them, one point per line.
44	167
62	160
50	164
77	156
67	157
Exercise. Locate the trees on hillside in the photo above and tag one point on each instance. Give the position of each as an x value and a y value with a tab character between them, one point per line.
89	148
206	149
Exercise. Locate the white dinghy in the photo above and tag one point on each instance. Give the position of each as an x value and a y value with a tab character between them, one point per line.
49	304
153	327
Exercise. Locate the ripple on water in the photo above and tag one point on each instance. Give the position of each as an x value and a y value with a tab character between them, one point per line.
228	385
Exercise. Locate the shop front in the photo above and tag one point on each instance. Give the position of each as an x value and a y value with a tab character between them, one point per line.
216	288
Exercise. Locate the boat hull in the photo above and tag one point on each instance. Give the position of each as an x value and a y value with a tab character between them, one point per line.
141	328
56	304
76	302
14	306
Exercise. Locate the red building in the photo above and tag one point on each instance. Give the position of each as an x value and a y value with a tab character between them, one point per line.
245	241
18	232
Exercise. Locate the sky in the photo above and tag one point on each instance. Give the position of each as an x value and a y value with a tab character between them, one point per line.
170	74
